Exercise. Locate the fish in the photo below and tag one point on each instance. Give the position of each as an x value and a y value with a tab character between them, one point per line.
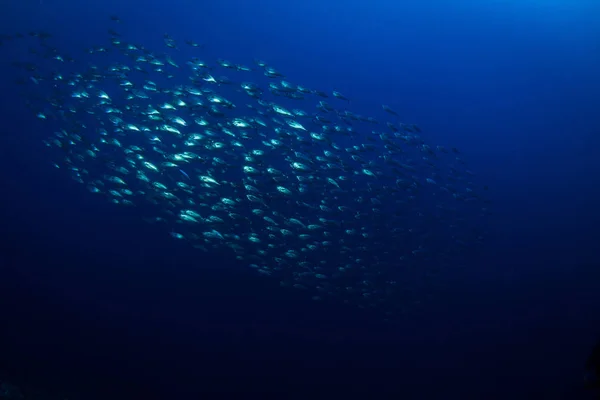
337	203
185	174
387	109
192	43
340	96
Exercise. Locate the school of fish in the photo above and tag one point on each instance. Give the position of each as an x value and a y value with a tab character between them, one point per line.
282	175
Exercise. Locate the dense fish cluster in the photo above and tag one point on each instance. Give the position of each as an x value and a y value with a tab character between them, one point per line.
238	157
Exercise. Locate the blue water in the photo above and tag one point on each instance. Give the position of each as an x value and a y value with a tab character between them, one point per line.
95	301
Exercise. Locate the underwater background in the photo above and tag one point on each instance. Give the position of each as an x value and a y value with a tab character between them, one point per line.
96	302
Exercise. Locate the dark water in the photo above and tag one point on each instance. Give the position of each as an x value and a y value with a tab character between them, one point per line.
95	302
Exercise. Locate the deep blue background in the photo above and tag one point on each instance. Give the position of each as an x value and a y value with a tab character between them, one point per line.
92	297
